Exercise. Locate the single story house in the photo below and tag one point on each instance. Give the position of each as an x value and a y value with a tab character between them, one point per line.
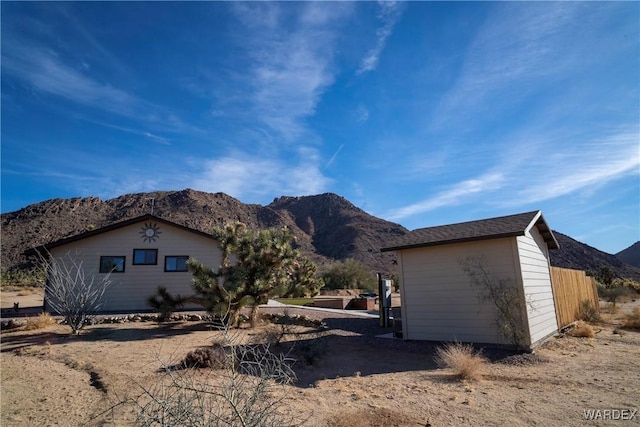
441	301
141	254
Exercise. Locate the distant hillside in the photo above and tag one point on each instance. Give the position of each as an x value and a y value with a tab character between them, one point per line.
631	255
573	254
327	227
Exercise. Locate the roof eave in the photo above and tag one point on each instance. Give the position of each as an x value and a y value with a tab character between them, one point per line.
545	231
452	241
147	217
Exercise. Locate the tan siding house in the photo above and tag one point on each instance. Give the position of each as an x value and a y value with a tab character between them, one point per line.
144	253
439	301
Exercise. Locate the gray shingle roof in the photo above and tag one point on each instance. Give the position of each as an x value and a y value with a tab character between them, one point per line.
492	228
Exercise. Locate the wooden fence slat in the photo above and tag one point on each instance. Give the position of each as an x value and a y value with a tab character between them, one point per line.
570	288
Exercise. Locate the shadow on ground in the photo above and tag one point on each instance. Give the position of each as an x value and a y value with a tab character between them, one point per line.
13	340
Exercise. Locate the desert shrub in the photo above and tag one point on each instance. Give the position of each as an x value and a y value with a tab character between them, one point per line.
632	285
214	357
350	274
588	312
462	359
247	390
42	321
18	279
606	276
71	292
272	335
165	303
581	330
310	350
632	321
614	294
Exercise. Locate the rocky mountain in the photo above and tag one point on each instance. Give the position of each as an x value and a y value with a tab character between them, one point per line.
577	255
327	227
631	255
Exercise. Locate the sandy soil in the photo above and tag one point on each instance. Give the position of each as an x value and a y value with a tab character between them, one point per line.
358	379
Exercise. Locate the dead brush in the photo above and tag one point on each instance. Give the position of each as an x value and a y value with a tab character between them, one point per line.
42	321
214	357
632	321
465	362
581	330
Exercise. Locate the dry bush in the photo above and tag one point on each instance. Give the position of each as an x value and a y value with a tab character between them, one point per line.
463	359
611	309
588	312
214	357
42	321
272	334
247	388
581	330
632	321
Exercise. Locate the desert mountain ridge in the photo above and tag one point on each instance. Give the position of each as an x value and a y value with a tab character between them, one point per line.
630	255
327	226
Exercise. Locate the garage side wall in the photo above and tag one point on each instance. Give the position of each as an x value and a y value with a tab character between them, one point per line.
536	281
439	303
129	290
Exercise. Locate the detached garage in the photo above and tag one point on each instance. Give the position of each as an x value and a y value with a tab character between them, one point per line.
442	271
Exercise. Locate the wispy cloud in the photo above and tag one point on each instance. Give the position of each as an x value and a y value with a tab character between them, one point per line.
520	48
389	14
290	60
539	169
44	70
457	194
362	114
551	171
47	65
254	178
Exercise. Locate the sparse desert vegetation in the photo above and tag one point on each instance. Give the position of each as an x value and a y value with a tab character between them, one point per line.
41	321
344	374
463	360
581	330
632	321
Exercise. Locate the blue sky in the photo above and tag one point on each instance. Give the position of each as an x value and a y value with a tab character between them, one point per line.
422	113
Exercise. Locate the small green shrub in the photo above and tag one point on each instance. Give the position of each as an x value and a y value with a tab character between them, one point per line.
615	294
350	274
165	303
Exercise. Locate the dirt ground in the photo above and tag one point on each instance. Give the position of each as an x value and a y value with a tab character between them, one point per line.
357	379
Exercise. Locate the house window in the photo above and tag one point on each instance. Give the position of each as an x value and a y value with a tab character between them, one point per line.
112	264
145	257
175	263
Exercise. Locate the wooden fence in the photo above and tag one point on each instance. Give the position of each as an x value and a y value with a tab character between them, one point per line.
570	288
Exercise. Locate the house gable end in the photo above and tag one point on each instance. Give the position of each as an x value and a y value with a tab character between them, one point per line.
43	249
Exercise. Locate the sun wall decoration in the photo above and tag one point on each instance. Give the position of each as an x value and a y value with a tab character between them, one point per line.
150	232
